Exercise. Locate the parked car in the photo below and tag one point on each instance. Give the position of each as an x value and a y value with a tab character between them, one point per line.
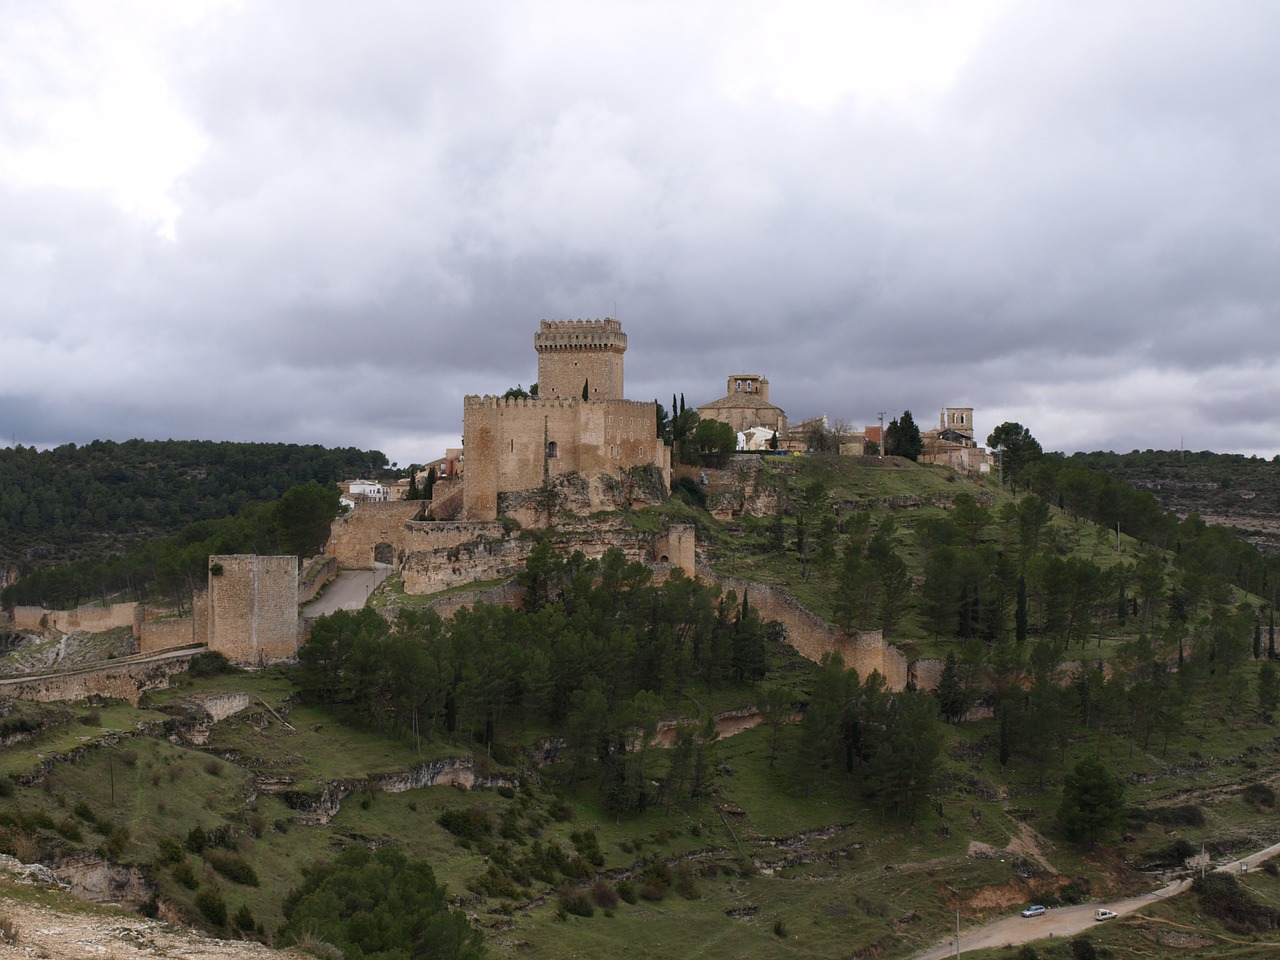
1102	913
1036	911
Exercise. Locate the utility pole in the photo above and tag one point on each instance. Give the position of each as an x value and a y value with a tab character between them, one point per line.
881	434
957	933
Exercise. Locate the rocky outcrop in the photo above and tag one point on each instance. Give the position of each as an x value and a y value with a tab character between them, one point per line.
101	881
320	806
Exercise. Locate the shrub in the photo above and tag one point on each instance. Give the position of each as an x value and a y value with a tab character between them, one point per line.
243	920
128	757
1259	796
257	824
197	839
170	851
626	890
85	813
1222	897
1082	948
210	664
603	894
209	902
471	824
175	772
232	867
117	840
588	846
575	901
183	873
91	719
685	885
779	929
70	830
8	930
213	767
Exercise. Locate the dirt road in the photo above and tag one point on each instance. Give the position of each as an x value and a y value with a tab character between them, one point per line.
1069	921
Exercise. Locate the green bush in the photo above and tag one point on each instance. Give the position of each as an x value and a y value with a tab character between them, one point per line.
575	901
1259	796
209	902
1222	897
183	873
210	664
471	824
626	890
231	866
243	920
169	851
603	894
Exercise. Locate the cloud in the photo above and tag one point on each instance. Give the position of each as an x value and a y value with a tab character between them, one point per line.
326	223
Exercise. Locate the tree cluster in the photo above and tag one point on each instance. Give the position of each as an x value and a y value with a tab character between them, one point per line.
596	650
296	523
89	502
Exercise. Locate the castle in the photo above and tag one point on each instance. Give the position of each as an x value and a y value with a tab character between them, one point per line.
578	423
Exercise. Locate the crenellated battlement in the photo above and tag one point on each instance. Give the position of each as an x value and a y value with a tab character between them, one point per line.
549	403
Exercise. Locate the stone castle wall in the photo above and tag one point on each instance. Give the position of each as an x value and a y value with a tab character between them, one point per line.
253	607
156	635
812	636
318	571
91	619
354	537
513	444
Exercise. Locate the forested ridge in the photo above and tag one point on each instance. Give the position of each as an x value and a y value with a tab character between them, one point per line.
1240	492
90	502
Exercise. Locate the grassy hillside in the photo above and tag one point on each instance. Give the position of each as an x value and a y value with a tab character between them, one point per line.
785	857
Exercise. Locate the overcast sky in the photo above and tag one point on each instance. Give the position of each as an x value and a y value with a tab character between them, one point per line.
326	222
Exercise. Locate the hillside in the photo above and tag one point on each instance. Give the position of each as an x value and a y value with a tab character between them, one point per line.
798	841
87	503
1241	493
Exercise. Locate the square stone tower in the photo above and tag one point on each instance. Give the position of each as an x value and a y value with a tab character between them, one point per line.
574	353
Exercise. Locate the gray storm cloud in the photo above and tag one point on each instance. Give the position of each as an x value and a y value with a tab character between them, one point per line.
355	216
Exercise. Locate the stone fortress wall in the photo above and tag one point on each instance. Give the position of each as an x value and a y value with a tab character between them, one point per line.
812	636
354	538
90	618
253	607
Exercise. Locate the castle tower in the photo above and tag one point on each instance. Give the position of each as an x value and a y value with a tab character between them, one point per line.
572	353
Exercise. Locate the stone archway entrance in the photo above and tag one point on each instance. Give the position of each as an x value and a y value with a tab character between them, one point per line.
383	553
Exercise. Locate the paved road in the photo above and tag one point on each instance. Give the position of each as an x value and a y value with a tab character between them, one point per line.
1068	921
350	591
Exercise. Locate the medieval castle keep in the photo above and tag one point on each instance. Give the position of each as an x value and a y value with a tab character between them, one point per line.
579	422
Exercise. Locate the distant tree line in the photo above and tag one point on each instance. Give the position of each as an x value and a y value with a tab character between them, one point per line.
89	502
175	567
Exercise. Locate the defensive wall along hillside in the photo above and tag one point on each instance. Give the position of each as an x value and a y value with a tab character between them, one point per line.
812	636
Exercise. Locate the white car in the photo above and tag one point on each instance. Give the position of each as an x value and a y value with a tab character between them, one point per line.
1036	911
1102	913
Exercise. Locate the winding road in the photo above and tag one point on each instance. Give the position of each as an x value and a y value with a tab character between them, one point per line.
1068	921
